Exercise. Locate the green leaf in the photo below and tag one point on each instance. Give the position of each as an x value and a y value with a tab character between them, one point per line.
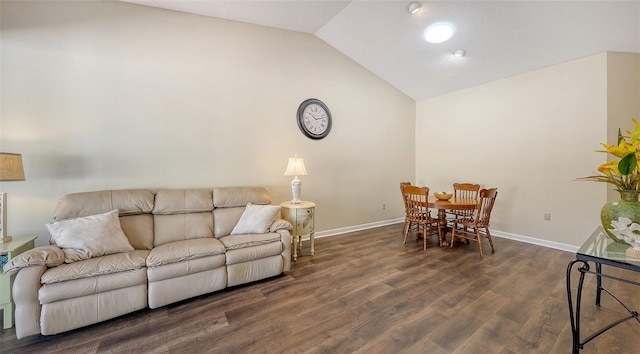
620	137
627	164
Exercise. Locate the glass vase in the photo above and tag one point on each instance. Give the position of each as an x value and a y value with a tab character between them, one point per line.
624	213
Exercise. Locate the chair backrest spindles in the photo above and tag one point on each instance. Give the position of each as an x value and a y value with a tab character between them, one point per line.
487	198
404	197
466	190
417	198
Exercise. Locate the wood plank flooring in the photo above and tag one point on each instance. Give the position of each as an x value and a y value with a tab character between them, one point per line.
366	292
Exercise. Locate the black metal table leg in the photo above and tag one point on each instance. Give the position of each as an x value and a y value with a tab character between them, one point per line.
598	282
575	316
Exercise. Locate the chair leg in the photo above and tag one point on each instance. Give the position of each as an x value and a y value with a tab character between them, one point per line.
424	237
490	240
479	239
406	231
453	235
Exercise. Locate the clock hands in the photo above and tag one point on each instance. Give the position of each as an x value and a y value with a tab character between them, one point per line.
314	117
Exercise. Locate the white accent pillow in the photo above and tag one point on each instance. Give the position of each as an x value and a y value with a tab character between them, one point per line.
89	236
256	219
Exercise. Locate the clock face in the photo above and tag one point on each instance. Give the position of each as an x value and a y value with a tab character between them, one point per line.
314	118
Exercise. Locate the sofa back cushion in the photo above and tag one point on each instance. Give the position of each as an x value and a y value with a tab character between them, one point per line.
230	203
134	207
182	214
183	201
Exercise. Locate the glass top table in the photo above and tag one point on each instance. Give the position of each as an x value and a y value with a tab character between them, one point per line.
599	249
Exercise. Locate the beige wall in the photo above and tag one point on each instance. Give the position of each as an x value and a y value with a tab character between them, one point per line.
108	95
623	97
113	95
530	136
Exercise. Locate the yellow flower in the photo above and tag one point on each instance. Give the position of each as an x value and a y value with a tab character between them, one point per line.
621	150
625	172
636	132
609	167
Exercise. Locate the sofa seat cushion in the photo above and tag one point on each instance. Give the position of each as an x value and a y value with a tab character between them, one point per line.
243	248
135	279
254	252
178	251
234	242
92	267
186	268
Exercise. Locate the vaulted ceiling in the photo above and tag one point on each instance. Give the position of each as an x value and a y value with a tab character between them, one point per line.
500	38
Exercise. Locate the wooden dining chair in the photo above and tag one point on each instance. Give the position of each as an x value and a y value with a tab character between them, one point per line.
475	227
464	191
417	213
404	200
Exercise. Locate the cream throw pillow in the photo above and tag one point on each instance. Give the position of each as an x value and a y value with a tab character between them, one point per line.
256	219
89	236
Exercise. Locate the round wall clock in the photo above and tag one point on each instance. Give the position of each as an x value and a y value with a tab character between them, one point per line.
314	118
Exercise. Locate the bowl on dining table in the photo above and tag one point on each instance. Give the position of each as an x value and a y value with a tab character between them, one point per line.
443	195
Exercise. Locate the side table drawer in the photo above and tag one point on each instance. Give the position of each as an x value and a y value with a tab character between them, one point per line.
304	222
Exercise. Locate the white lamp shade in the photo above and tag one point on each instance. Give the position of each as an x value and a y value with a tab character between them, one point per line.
295	167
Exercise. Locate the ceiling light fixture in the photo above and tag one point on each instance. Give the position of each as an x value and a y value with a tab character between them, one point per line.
438	32
459	53
414	7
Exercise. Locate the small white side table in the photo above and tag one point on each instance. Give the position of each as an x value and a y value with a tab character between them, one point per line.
11	249
300	215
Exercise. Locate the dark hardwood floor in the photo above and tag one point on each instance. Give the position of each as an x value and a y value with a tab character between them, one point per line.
366	292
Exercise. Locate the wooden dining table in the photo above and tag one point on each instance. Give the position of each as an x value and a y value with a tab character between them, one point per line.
451	204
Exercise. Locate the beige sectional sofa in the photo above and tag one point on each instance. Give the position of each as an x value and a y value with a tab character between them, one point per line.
181	243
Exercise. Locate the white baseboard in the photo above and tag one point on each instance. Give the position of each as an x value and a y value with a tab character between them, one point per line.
510	236
535	241
344	230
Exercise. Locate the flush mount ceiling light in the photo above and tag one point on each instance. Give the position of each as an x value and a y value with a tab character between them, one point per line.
414	7
459	53
438	32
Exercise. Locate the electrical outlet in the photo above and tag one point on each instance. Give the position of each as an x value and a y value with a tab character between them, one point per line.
547	216
384	206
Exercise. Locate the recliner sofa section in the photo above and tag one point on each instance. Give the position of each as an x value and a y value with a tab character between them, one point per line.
182	248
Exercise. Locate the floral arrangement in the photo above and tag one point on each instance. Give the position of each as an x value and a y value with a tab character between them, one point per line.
623	173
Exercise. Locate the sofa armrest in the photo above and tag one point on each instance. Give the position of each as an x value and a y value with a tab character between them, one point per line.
48	256
25	297
280	224
285	238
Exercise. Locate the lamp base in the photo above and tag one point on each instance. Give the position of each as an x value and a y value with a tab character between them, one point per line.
5	239
295	190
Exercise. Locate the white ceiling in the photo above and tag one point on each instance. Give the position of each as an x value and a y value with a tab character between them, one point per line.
501	38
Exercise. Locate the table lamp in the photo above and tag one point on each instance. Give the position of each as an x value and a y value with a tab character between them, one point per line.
295	168
10	170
